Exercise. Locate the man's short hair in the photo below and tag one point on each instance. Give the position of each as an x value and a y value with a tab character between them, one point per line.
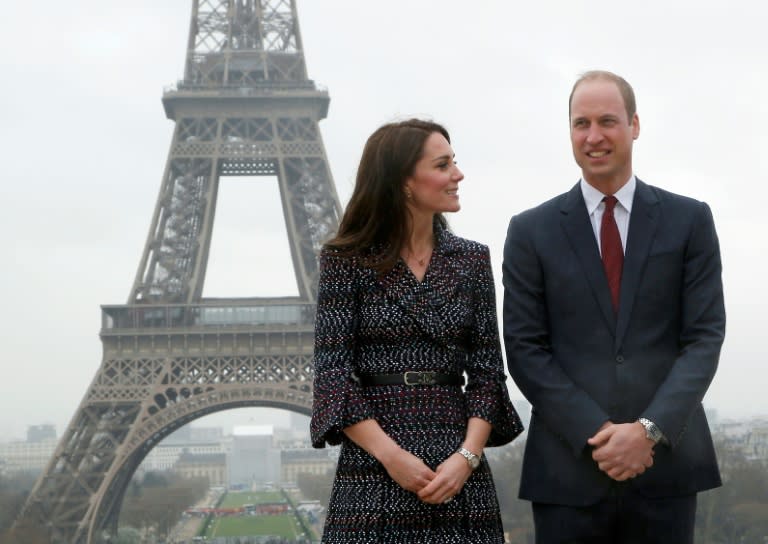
627	94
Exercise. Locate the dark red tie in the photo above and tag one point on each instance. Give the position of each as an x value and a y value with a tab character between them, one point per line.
611	250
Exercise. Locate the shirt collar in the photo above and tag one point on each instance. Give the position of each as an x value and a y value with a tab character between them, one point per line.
593	197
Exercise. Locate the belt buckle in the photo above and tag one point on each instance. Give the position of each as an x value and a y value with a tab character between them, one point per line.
421	378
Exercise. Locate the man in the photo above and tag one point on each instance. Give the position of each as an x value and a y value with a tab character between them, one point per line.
613	322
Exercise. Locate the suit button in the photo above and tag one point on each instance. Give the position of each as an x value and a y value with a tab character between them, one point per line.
619	359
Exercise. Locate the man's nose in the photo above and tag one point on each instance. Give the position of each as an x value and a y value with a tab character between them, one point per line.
595	134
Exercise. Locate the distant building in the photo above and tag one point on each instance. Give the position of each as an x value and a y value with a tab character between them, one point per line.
27	456
41	433
305	460
206	434
193	440
165	455
756	443
253	459
212	466
749	436
286	439
731	429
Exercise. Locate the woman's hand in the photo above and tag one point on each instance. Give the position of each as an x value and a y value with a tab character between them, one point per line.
410	472
449	479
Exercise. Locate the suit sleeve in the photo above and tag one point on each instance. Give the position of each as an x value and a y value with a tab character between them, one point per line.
701	334
486	391
564	407
338	401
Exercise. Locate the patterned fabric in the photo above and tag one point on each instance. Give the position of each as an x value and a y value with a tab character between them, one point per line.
371	324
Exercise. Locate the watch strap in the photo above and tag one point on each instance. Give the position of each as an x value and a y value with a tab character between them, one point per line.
472	459
652	431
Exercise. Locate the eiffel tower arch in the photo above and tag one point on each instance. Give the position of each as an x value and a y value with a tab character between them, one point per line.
244	108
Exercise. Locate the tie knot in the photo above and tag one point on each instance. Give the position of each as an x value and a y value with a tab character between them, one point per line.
610	202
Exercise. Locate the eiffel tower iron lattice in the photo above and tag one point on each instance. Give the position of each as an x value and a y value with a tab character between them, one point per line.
244	107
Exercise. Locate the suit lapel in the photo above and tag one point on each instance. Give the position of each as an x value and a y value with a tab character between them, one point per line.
575	222
643	223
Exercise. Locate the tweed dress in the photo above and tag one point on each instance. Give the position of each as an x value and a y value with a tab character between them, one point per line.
390	324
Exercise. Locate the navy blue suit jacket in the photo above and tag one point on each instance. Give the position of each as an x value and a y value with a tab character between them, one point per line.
580	365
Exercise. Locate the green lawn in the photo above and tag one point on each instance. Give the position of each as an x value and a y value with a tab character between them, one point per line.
235	499
284	526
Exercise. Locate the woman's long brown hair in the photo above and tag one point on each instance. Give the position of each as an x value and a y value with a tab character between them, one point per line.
375	222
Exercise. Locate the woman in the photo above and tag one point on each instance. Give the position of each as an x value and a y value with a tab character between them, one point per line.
404	309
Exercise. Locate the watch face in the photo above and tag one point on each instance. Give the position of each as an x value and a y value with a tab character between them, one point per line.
472	459
652	432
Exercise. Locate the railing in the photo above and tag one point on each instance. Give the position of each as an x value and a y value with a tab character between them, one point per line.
249	87
206	316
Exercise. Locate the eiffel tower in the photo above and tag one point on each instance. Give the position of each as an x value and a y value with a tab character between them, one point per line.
244	108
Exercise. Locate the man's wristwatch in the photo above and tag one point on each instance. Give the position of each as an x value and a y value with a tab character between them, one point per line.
652	431
472	460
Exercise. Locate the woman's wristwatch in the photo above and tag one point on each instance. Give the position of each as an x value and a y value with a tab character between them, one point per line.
472	460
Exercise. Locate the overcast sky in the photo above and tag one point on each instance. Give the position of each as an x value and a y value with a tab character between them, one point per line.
85	141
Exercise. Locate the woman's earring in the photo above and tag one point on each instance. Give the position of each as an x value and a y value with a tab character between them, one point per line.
408	193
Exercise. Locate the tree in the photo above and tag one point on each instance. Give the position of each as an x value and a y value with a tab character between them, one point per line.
128	535
14	491
732	513
160	501
753	517
315	486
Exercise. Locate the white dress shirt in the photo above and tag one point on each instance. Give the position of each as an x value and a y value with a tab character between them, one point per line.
595	207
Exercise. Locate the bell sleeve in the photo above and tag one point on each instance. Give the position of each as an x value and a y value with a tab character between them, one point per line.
486	391
338	400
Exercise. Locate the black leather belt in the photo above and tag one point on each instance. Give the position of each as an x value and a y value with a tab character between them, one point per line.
411	378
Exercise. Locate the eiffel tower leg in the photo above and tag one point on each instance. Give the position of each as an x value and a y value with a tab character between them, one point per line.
61	502
309	198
